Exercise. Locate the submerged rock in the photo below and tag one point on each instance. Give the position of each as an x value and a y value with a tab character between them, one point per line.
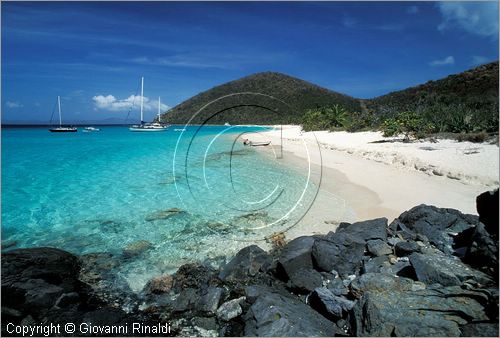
136	248
164	214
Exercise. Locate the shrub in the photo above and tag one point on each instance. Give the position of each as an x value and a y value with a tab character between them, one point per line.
324	118
473	137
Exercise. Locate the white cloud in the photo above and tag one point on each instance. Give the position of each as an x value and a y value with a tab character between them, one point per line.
480	18
412	10
13	104
449	60
111	103
479	60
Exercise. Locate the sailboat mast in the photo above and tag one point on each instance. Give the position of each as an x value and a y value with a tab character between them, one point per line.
159	104
59	105
142	98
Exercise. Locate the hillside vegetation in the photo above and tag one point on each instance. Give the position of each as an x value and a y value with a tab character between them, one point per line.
460	103
298	95
463	102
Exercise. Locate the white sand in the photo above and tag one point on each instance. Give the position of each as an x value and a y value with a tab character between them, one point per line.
385	179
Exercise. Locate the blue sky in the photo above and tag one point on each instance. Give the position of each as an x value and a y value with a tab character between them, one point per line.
93	53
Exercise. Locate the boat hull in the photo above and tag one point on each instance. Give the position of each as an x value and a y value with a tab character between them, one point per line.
56	130
146	129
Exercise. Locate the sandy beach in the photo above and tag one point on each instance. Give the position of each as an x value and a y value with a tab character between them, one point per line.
382	177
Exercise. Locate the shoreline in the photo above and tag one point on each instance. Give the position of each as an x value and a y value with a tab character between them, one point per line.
375	187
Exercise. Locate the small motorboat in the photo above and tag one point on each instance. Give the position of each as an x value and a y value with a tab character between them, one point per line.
180	129
90	129
259	144
247	142
227	124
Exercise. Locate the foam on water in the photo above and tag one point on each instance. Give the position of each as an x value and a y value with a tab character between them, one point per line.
98	192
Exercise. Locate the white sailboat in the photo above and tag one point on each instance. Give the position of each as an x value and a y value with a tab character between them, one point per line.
154	126
61	128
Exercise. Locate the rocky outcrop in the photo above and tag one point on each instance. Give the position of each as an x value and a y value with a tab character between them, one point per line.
430	272
41	286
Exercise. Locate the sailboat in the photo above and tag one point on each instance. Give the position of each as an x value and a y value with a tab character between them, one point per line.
154	126
61	129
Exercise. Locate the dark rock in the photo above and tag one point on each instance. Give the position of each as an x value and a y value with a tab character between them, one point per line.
277	315
402	249
209	302
294	256
337	287
375	264
247	263
67	299
445	270
487	208
340	251
159	285
438	225
479	330
34	279
330	305
193	275
186	300
305	280
429	312
482	251
401	269
378	247
367	230
381	282
230	309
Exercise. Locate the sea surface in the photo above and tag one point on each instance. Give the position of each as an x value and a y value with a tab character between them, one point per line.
187	195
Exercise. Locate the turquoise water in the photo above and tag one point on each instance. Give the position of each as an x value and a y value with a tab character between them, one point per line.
193	195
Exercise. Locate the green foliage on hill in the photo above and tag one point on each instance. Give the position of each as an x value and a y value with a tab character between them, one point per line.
461	103
282	99
465	102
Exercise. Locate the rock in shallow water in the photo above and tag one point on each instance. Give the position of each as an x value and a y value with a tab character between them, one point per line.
164	214
136	248
159	285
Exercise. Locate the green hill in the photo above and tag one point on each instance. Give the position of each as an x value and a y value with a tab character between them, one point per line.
468	98
462	102
267	107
